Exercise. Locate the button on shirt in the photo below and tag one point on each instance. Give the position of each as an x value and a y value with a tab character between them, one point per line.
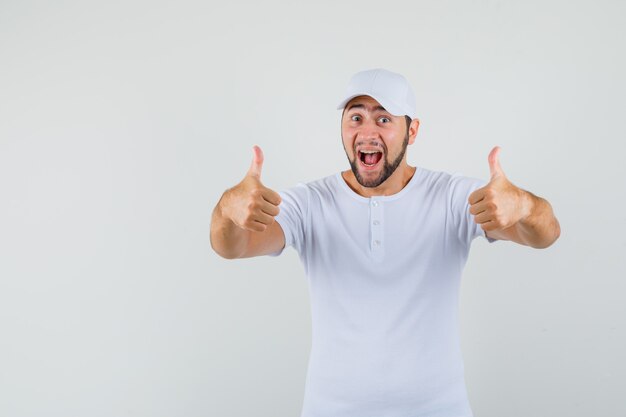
384	275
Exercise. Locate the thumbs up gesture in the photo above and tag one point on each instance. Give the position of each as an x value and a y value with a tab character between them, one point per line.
249	204
499	204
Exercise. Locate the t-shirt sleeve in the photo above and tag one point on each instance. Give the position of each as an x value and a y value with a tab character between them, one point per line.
460	189
293	216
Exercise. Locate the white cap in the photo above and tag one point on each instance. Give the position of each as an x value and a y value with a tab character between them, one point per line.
391	90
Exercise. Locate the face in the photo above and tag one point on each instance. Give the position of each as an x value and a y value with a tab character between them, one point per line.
374	140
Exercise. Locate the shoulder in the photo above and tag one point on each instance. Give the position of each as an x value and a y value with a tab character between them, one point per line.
431	178
435	181
327	184
319	189
453	185
461	184
442	177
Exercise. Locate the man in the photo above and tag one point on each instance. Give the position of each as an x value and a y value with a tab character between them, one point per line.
383	245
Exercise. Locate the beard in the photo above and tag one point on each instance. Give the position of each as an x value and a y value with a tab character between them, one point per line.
388	167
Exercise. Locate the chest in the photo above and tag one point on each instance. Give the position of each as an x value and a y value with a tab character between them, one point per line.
376	231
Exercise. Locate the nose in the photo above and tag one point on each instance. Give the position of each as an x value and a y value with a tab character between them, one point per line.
368	130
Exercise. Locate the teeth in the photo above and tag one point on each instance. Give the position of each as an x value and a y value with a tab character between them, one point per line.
369	152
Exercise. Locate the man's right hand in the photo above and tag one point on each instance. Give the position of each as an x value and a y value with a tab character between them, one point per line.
249	204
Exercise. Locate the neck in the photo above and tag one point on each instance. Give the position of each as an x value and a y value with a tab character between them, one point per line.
392	185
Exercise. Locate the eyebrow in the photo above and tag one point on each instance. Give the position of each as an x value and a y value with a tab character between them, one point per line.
361	106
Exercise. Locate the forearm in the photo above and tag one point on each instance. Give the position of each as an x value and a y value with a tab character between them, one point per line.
540	228
227	239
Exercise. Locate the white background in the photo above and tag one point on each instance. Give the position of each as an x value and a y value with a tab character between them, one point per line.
122	122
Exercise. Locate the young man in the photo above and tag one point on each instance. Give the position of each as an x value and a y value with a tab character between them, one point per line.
383	245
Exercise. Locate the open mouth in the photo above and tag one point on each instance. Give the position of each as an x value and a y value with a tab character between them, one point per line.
370	158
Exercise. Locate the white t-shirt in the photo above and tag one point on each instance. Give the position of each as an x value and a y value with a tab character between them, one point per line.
384	275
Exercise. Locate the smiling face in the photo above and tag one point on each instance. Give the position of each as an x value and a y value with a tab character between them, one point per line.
374	140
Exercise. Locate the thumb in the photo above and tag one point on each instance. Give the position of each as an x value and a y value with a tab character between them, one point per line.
257	163
495	170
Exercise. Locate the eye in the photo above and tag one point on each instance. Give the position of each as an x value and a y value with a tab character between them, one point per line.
384	119
355	118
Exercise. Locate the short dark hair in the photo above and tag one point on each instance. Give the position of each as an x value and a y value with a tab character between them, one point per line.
408	122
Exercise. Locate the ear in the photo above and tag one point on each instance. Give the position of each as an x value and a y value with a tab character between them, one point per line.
413	127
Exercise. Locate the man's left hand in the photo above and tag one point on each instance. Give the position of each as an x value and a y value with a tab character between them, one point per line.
499	204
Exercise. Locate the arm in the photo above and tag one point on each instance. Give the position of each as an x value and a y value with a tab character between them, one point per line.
539	229
242	223
507	212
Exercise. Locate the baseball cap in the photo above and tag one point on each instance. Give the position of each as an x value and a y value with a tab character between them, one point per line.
390	89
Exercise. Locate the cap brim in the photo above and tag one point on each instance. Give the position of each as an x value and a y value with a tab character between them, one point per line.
389	106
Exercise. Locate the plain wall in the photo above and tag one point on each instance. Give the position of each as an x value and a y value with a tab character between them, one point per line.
121	123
